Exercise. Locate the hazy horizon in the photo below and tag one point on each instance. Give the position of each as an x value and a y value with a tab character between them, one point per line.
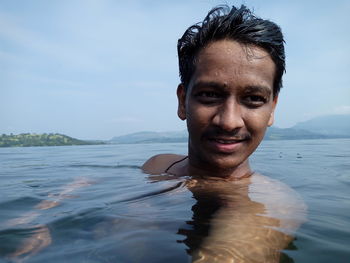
99	69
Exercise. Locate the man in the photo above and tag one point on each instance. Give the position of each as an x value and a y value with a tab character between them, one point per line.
231	68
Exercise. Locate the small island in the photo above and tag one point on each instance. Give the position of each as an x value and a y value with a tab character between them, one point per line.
45	139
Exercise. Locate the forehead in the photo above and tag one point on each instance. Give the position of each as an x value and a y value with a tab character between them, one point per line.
234	65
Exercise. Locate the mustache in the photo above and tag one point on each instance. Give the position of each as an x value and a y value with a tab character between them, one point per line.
235	134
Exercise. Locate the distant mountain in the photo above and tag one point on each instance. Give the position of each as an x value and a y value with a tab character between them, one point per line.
45	139
326	127
331	125
274	133
148	137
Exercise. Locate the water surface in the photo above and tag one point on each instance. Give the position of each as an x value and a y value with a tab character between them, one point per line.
93	203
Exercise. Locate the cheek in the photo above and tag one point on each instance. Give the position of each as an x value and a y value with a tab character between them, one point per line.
199	116
257	121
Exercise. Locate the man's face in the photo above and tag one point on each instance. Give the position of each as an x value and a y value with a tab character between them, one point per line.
228	104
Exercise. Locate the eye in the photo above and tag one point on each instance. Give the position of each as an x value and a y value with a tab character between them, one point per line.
208	94
208	97
254	100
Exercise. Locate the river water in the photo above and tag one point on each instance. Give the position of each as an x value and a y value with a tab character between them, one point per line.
94	204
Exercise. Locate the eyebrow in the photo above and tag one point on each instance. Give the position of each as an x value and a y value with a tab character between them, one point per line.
262	89
210	84
223	86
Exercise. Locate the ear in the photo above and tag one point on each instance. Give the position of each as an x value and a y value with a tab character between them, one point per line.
272	116
181	97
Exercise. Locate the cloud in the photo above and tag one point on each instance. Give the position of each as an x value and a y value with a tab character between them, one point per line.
345	109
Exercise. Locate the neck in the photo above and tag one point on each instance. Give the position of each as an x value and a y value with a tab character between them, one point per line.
235	173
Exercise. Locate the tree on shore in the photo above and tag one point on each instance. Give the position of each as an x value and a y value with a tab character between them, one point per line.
45	139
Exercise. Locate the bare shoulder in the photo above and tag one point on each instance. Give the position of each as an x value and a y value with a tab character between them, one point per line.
160	162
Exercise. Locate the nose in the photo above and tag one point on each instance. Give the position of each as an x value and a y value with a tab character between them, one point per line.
229	116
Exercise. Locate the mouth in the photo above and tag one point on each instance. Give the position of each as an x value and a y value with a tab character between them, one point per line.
226	145
226	141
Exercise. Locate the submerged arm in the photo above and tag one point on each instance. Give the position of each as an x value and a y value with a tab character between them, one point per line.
41	237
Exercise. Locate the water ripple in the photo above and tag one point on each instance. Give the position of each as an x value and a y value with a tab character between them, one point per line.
119	166
154	193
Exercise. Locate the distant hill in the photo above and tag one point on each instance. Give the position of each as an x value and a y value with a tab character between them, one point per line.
274	133
45	139
331	125
326	127
148	137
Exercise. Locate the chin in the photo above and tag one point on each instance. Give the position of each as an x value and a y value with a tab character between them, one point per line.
224	162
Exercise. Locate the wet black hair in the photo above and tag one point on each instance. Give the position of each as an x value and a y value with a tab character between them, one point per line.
238	24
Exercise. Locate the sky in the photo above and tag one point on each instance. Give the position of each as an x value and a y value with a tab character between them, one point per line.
95	69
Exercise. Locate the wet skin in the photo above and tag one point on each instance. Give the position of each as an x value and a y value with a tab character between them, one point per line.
241	221
228	105
248	220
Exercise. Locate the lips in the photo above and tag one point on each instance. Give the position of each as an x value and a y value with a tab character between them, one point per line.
226	141
225	145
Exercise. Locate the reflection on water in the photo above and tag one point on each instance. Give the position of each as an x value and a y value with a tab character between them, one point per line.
228	226
226	223
81	208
